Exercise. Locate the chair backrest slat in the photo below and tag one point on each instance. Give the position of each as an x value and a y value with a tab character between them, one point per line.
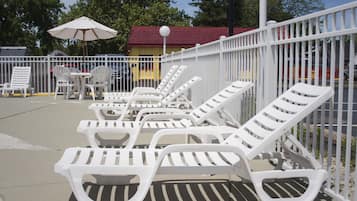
166	90
277	118
216	102
61	73
173	95
100	75
167	77
20	77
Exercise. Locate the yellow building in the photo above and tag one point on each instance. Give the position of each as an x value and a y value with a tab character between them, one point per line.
146	42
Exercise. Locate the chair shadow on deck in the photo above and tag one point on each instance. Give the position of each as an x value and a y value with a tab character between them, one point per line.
198	190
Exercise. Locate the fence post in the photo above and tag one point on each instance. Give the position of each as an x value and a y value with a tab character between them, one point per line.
196	51
269	68
106	60
182	50
221	63
48	75
172	57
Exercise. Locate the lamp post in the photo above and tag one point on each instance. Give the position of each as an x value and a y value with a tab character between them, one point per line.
164	32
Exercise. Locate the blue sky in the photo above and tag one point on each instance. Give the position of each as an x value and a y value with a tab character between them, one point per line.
184	4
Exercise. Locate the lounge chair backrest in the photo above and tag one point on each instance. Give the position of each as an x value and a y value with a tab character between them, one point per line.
167	77
61	73
101	75
217	101
260	132
187	85
166	90
20	77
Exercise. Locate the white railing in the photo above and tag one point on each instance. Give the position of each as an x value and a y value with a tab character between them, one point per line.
319	49
128	72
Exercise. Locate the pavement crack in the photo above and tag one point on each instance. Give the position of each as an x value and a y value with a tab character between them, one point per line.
24	112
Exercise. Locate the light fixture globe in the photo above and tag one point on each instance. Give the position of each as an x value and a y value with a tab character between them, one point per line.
164	31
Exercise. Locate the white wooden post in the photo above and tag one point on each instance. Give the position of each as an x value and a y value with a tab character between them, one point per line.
221	62
172	57
49	75
182	50
196	51
269	68
106	61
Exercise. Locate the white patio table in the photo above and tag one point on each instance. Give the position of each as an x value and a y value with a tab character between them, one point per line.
82	81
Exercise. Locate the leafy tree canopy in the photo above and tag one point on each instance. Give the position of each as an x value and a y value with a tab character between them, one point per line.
25	22
214	12
121	16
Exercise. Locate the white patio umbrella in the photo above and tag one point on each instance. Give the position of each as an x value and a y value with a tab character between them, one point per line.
84	29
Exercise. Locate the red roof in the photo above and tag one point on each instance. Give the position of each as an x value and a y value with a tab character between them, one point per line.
179	36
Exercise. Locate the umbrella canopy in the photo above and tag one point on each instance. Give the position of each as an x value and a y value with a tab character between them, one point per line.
84	29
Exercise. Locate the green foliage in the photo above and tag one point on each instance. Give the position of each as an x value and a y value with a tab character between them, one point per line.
353	145
121	16
214	12
302	7
25	23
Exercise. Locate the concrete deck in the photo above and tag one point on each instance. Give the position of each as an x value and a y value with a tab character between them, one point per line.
35	131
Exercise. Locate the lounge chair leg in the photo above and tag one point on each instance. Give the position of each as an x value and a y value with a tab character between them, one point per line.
132	138
91	139
77	187
93	92
56	91
315	178
99	114
144	185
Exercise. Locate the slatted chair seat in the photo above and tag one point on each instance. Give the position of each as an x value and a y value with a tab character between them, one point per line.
157	118
138	102
185	162
230	156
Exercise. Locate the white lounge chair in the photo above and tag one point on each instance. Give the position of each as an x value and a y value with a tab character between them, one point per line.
146	121
231	156
20	81
147	91
138	102
113	96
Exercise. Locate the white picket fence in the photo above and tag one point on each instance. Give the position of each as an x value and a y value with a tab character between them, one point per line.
128	71
319	49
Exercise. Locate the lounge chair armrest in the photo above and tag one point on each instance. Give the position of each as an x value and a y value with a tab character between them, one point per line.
147	111
144	98
216	131
144	90
243	161
166	117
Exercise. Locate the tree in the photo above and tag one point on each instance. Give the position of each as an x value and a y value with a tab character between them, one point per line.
25	23
213	12
121	16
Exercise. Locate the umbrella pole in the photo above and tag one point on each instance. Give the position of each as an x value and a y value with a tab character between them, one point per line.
83	51
86	45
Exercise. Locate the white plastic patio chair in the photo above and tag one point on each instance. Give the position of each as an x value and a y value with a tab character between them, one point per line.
149	120
138	102
63	80
20	80
100	78
159	92
231	156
